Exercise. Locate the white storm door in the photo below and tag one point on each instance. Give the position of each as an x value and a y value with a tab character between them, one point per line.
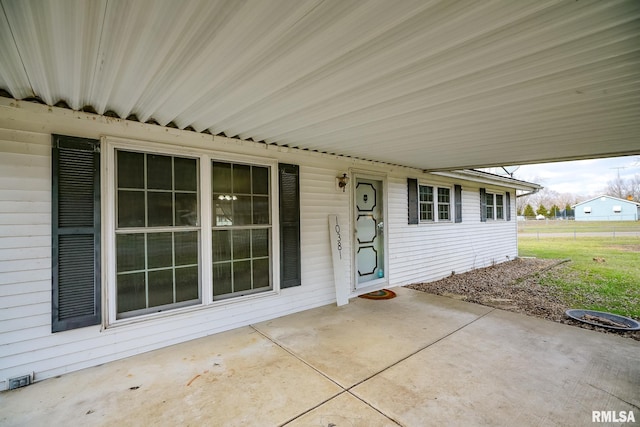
369	232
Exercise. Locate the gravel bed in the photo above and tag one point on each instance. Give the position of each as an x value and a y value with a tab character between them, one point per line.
513	286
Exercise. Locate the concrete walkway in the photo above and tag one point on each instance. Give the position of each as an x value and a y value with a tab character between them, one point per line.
416	360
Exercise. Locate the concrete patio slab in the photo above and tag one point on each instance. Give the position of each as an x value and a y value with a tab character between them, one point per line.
509	369
343	410
351	343
414	360
236	378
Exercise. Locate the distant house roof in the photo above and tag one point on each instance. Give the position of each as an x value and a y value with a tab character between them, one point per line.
608	197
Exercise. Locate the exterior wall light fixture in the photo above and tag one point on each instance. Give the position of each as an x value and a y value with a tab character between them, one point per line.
343	181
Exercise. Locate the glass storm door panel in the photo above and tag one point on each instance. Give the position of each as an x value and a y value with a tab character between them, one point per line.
369	228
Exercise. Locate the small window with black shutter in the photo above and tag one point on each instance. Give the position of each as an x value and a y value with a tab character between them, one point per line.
494	206
430	204
75	219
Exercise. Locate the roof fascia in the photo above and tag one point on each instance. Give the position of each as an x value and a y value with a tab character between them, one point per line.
489	178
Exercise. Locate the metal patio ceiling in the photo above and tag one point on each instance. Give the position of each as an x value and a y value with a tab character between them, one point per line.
430	84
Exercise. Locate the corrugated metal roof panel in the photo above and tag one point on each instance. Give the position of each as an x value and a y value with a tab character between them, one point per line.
430	84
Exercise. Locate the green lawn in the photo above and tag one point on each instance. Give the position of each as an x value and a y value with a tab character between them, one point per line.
555	226
604	273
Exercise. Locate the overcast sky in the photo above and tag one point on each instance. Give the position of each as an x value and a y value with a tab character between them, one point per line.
580	177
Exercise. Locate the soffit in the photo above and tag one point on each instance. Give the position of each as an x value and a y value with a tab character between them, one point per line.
433	85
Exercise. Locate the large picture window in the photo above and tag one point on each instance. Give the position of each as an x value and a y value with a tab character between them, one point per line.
241	229
157	232
190	229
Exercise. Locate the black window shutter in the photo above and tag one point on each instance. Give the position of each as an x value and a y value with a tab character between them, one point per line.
412	196
508	205
289	184
75	233
458	202
483	205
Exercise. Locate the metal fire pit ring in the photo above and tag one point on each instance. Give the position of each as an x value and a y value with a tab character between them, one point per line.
632	325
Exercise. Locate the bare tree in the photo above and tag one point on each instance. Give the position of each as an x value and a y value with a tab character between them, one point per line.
549	197
616	187
633	187
624	188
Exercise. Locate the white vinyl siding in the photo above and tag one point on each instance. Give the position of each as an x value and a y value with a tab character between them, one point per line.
420	254
25	264
25	240
416	254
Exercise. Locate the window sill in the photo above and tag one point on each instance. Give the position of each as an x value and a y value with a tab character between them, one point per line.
148	319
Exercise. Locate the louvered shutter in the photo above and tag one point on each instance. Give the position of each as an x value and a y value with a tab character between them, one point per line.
457	193
289	184
483	205
508	205
75	220
412	197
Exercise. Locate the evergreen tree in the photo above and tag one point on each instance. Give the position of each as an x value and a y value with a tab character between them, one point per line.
568	211
542	211
528	211
555	211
